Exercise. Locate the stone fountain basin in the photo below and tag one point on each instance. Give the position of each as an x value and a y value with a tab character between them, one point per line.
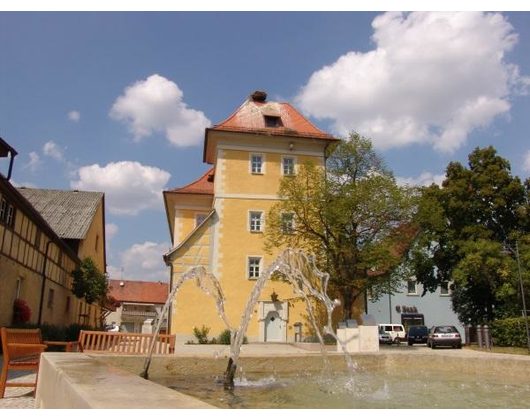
77	380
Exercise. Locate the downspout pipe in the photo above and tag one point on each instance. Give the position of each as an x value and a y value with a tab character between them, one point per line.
43	288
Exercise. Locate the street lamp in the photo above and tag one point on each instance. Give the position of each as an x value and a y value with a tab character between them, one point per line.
516	253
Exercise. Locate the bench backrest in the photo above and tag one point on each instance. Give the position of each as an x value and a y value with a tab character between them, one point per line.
125	343
20	336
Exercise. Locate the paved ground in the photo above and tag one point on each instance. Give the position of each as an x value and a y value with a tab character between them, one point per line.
18	397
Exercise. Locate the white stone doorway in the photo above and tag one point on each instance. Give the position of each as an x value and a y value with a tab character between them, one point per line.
273	317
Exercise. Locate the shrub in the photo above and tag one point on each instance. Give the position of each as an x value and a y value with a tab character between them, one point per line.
225	338
509	332
201	334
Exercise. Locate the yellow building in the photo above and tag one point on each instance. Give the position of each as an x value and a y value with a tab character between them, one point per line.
35	262
218	220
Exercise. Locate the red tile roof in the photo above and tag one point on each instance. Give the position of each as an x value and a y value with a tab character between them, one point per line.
139	291
204	185
250	117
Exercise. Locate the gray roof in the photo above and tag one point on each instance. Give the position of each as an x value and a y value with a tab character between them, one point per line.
69	213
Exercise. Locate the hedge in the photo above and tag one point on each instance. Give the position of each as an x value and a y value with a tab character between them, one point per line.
509	332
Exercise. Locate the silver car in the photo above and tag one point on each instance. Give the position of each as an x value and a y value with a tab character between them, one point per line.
444	336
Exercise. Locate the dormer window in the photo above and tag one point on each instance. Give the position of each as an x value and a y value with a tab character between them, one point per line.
271	121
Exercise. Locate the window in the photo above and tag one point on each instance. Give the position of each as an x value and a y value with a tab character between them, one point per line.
256	164
271	121
3	209
67	306
97	243
37	239
7	213
51	294
287	222
412	287
255	221
18	288
10	219
444	288
288	164
254	267
199	218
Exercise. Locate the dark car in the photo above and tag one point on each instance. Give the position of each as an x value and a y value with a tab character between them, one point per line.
417	334
444	336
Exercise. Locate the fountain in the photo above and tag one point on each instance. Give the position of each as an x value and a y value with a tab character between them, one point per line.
296	268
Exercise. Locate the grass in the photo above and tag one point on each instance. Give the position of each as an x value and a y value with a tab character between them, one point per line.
504	350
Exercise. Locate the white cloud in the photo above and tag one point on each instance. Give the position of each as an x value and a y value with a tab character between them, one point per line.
526	164
74	116
129	187
51	149
111	230
432	78
22	184
142	262
34	162
156	104
424	180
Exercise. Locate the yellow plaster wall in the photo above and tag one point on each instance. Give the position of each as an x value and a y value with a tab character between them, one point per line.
239	179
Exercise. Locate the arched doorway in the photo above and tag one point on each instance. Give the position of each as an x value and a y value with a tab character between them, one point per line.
273	327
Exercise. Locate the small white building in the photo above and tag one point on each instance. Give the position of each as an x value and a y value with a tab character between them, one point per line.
140	301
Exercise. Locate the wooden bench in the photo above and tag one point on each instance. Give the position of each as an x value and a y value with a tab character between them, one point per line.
124	343
22	349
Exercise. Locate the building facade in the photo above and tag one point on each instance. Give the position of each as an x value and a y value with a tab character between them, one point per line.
36	264
409	307
218	221
140	301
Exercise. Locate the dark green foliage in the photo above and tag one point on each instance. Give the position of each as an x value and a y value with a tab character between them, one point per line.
465	226
509	332
88	282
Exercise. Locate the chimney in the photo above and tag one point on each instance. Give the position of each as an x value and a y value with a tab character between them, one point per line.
258	96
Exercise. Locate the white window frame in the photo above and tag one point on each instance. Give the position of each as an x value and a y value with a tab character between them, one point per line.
260	267
251	155
448	289
281	222
249	221
282	166
415	293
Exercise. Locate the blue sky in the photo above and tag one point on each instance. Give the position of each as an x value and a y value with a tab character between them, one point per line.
118	101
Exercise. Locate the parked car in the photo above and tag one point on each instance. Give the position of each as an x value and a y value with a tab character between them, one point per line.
396	331
444	336
417	334
384	337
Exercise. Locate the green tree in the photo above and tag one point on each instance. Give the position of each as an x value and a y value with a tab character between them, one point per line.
352	215
464	228
89	282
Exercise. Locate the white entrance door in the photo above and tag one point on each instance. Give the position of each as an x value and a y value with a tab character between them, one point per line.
273	325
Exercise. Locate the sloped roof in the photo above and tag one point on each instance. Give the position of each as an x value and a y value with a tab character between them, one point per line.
139	291
69	213
203	185
251	117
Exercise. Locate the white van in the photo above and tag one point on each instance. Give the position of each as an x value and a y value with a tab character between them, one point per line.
396	331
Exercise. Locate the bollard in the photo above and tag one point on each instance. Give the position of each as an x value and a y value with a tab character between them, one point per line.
487	337
479	336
